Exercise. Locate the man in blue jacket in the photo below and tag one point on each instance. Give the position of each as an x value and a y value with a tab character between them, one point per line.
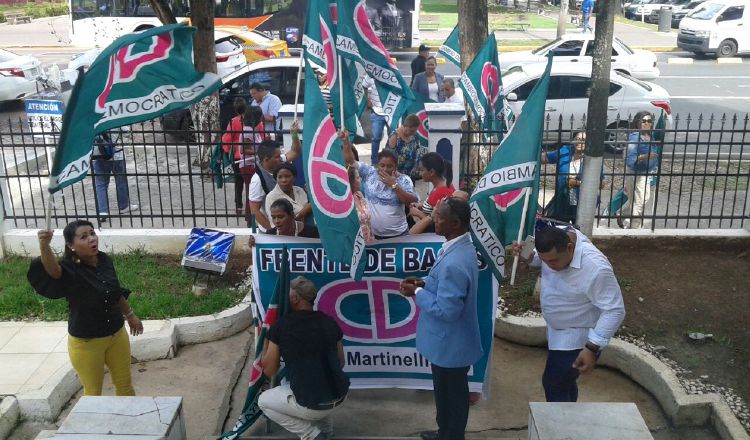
448	327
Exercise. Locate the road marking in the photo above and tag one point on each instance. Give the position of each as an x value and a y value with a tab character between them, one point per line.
729	61
712	97
680	61
701	77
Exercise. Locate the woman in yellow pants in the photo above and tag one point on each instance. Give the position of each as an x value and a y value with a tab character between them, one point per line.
97	306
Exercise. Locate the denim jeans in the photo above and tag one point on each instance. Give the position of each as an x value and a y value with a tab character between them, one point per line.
102	170
378	124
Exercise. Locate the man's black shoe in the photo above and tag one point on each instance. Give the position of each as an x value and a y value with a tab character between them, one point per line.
429	435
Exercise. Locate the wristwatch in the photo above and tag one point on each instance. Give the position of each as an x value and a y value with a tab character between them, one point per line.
593	347
394	186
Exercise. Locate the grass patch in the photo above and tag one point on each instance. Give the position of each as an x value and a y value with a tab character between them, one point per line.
447	17
501	44
439	7
637	23
161	289
35	10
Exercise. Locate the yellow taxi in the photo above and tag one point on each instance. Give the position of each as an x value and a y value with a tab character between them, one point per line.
255	45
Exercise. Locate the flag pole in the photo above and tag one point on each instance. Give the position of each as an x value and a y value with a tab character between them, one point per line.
520	234
341	91
299	81
50	205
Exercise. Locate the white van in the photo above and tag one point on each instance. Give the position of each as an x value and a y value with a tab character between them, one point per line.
717	26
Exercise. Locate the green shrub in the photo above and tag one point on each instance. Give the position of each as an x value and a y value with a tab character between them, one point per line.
2	18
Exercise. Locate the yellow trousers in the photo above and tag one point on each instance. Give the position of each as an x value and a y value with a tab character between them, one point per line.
89	356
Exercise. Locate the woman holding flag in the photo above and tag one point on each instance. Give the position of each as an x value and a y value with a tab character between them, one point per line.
387	191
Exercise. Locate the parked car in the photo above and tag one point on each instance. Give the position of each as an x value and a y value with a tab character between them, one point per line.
655	9
641	10
718	27
568	96
278	74
679	14
18	74
578	48
229	54
256	45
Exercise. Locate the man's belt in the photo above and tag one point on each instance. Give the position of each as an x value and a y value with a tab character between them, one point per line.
327	405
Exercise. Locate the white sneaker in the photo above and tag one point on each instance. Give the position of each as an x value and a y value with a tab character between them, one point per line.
103	216
130	208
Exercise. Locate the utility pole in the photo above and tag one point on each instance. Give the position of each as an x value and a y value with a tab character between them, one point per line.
562	19
472	29
596	121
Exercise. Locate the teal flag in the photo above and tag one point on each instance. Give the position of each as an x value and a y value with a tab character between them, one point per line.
137	78
451	48
328	183
319	42
483	88
278	306
498	199
357	41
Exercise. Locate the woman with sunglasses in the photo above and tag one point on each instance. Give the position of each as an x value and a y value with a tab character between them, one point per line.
568	162
641	161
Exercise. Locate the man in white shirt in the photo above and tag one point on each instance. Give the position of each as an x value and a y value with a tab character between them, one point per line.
450	92
581	303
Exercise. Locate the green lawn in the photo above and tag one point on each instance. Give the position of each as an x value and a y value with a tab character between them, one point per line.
161	289
446	13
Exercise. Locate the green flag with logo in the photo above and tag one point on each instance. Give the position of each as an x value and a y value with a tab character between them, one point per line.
483	88
451	49
138	77
328	183
498	199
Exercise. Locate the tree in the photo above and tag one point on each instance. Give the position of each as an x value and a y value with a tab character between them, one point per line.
596	122
562	19
163	11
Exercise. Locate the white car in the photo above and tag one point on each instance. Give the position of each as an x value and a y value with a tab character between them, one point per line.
18	74
568	96
229	55
578	48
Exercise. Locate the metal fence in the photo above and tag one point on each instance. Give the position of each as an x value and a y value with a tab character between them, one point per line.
701	182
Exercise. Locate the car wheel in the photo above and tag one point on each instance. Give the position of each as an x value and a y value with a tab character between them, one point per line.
187	129
727	48
617	137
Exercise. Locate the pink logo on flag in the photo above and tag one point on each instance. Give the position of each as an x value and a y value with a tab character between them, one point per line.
321	170
329	53
490	83
505	200
362	22
124	65
424	122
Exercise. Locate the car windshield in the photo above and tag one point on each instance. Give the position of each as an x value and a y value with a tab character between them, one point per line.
624	46
706	12
643	84
546	46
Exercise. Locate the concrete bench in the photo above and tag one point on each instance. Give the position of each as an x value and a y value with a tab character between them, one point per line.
428	22
15	17
512	26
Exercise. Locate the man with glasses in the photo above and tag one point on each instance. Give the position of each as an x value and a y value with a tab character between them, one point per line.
641	162
448	327
581	302
310	342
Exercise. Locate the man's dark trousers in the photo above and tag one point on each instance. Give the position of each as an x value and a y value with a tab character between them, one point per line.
559	379
451	400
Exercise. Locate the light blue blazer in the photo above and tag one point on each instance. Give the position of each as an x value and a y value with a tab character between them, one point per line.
419	85
448	327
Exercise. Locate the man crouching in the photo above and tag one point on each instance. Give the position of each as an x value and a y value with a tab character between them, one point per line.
310	344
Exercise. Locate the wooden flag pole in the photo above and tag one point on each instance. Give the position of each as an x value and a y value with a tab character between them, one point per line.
520	233
50	205
299	81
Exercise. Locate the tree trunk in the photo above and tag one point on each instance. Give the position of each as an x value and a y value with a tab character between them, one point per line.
206	112
596	123
562	19
163	11
472	31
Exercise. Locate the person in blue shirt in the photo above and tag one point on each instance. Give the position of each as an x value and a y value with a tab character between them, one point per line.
641	161
568	171
586	8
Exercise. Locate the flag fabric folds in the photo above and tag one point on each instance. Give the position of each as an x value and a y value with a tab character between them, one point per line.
278	307
483	88
138	77
451	48
498	199
328	183
357	41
